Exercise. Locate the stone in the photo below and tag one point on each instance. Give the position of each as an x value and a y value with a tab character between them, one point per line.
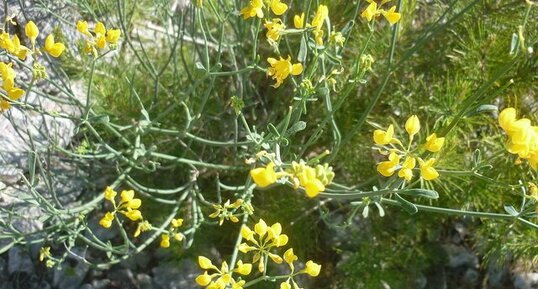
19	261
525	280
176	275
70	277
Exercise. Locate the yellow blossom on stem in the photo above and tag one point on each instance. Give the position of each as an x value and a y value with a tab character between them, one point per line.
113	35
222	278
282	68
406	172
278	7
110	194
412	125
31	31
434	143
387	168
370	12
254	9
274	28
427	171
298	21
522	136
264	177
142	227
44	253
177	222
384	137
165	241
391	15
106	221
312	268
82	27
53	48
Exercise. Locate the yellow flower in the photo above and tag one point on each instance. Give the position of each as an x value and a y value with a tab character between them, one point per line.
387	168
282	68
247	233
55	49
383	137
205	263
321	14
177	223
165	241
142	227
406	172
110	194
6	42
179	236
243	268
370	12
308	179
338	38
298	21
427	170
113	35
254	9
19	50
44	253
4	105
278	7
312	268
434	143
290	257
14	93
99	29
107	219
264	177
82	27
507	118
100	42
133	215
391	15
285	285
204	279
31	31
274	28
412	125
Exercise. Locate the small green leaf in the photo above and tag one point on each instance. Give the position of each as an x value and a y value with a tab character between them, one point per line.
303	51
273	130
420	193
295	128
511	210
406	205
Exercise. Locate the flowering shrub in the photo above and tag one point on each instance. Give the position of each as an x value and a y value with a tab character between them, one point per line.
210	110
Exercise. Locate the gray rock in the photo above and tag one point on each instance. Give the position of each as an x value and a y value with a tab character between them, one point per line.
19	261
145	281
69	277
123	278
525	280
176	275
460	256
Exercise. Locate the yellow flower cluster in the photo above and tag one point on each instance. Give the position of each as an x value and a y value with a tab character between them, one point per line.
522	136
128	206
44	254
8	84
221	278
312	179
373	11
13	46
255	8
178	236
227	211
100	37
282	68
396	153
261	241
311	269
268	237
